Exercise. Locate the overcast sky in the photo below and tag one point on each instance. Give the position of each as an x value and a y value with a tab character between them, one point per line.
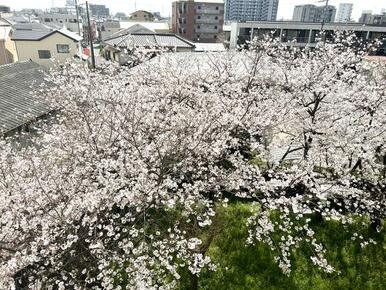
164	6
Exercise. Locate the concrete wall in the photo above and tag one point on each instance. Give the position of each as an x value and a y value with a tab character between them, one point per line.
28	50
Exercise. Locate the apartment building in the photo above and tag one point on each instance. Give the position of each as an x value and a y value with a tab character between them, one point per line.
313	13
251	10
198	21
344	12
99	10
368	17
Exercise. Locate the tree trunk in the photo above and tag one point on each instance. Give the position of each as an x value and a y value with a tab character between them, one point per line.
193	282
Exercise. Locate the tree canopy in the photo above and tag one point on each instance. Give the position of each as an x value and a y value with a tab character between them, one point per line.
124	187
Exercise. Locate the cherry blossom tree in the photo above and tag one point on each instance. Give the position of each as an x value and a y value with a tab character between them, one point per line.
123	187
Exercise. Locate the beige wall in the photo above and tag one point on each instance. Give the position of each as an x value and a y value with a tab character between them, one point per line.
7	52
7	49
142	16
27	50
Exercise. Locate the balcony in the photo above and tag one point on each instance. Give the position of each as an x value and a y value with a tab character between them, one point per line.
207	30
208	11
207	21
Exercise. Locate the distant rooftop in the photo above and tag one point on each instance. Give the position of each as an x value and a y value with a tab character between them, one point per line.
156	26
149	39
38	31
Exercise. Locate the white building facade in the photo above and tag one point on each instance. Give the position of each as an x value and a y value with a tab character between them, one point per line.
251	10
344	12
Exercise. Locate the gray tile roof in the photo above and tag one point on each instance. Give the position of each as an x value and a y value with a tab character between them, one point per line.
38	31
18	106
30	26
152	39
20	34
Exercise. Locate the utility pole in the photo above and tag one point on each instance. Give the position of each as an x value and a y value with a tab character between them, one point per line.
324	14
77	16
79	31
90	37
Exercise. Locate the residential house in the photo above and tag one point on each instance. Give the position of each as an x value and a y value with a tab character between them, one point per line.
120	47
156	26
107	27
142	15
7	46
43	44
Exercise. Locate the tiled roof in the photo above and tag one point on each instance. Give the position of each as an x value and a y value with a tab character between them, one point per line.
202	47
17	104
156	26
30	34
37	31
152	39
70	34
4	22
31	26
135	29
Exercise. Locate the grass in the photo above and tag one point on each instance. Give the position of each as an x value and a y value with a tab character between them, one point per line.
252	267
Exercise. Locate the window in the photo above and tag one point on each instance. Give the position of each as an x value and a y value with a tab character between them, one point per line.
216	17
215	27
63	48
198	17
199	7
47	20
44	54
216	7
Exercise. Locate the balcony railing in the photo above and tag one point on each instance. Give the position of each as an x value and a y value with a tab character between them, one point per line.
207	20
207	30
208	11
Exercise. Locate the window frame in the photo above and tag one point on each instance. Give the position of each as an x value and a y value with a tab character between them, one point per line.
61	51
41	56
